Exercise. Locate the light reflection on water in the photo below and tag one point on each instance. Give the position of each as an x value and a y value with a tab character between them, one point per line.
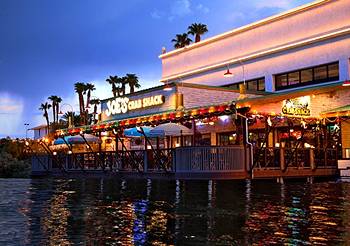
160	212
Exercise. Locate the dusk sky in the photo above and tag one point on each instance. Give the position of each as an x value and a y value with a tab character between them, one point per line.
46	46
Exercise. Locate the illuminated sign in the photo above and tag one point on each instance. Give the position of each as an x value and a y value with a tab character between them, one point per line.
297	106
122	105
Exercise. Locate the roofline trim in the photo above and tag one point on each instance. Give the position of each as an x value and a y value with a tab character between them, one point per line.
250	26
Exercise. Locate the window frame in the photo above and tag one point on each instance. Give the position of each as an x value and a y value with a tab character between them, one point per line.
313	80
260	80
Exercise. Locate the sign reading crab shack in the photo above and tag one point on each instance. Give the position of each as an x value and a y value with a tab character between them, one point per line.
122	105
299	106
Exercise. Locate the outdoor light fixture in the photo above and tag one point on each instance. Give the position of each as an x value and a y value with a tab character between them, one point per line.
54	153
228	73
346	83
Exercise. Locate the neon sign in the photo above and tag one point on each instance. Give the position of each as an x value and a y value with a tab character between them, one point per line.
297	106
122	105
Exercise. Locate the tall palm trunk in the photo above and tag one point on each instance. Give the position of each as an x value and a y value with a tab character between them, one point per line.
88	98
197	38
46	114
57	110
123	88
132	88
81	106
54	112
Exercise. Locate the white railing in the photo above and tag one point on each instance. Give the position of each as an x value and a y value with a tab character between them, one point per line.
209	159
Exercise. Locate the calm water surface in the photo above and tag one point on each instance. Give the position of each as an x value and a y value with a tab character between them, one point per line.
159	212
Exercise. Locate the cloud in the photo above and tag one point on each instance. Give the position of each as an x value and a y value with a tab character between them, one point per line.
201	8
180	8
11	114
156	14
281	4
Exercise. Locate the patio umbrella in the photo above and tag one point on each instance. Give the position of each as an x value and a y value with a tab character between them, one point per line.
171	129
136	132
77	139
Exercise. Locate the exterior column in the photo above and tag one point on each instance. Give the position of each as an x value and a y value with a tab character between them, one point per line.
213	138
269	83
345	138
344	69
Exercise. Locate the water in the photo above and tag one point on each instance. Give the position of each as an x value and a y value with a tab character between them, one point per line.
161	212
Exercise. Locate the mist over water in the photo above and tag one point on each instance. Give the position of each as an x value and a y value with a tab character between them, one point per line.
162	212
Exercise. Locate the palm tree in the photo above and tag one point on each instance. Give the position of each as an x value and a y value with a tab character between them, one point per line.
197	29
76	119
58	101
123	81
95	102
55	101
80	89
89	87
133	82
181	40
113	81
45	107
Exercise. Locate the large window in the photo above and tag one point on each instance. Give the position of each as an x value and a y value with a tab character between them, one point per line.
252	85
307	76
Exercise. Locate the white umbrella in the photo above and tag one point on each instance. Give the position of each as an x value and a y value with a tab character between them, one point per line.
171	129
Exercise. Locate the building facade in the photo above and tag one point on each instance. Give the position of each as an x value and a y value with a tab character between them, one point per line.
302	47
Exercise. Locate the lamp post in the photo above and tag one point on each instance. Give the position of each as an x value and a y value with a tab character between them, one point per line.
26	126
70	114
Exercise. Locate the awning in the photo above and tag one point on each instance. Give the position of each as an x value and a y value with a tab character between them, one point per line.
171	129
136	132
341	111
77	139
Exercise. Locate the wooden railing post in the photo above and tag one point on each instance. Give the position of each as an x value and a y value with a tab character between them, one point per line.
282	159
312	159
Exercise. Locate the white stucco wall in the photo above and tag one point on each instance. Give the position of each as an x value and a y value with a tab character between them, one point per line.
330	17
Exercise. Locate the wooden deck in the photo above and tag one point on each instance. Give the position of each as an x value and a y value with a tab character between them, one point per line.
211	162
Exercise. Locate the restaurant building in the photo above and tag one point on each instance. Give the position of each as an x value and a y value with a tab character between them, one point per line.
270	96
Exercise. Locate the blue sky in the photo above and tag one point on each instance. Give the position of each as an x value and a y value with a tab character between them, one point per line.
46	46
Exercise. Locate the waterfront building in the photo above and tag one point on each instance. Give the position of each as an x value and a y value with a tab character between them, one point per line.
269	99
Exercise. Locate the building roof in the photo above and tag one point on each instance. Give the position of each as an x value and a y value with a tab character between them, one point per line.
38	127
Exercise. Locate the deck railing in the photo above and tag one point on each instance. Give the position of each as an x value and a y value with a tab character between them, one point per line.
282	158
209	159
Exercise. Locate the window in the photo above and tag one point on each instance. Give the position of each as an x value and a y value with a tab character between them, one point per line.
314	75
252	85
306	75
226	138
320	73
333	71
233	86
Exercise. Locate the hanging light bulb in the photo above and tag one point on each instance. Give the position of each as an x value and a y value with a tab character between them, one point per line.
269	122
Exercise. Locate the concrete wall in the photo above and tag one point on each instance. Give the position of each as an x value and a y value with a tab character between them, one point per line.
40	133
330	17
